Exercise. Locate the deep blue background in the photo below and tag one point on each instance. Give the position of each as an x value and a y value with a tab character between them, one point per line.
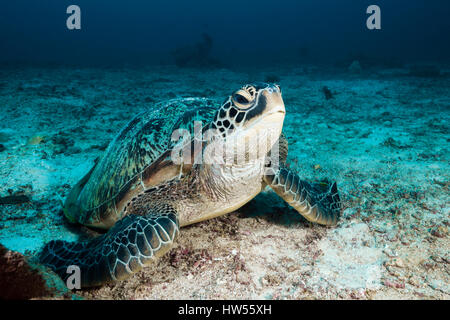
261	31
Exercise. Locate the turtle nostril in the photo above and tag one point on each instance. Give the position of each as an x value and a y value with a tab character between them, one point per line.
278	87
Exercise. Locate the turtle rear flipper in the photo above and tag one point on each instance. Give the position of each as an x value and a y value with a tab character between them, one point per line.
132	243
317	202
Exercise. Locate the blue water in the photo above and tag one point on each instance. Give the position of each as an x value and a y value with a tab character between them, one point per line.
242	32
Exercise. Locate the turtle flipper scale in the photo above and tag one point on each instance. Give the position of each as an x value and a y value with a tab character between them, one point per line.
317	202
132	243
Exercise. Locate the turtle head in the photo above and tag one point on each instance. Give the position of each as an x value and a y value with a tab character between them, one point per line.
252	114
254	107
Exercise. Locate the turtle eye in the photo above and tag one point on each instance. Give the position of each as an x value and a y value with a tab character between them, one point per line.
242	99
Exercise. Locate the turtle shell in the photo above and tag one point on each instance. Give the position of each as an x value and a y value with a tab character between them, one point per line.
124	169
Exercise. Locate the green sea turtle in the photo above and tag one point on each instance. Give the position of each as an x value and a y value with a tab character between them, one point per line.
148	183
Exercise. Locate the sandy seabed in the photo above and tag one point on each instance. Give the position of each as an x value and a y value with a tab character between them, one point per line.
383	136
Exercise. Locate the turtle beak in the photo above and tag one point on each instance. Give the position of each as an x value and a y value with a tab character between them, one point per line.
275	104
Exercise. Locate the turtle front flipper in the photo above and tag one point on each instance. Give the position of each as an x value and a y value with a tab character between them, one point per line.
132	243
317	202
70	207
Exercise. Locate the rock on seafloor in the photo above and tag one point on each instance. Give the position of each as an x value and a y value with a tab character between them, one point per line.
21	279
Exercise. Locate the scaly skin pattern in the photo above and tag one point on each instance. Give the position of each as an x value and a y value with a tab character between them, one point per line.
143	197
149	228
317	202
122	171
132	243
